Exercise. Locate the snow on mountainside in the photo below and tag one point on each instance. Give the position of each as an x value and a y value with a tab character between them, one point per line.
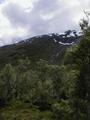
50	47
57	38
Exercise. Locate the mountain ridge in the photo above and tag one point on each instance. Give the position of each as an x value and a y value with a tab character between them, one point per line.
50	47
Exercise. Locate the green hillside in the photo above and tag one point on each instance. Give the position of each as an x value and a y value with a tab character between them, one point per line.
36	48
46	78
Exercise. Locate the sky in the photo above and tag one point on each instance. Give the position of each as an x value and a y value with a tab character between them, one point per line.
21	19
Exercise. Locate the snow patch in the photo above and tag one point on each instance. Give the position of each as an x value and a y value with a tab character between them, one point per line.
55	40
66	43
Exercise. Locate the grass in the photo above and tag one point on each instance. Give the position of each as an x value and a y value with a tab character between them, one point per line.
20	111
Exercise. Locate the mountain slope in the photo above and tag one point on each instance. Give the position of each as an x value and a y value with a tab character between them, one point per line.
48	47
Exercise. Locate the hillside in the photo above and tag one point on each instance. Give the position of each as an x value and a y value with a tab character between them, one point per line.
52	88
49	47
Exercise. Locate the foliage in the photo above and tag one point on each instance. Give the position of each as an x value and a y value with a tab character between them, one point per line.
39	90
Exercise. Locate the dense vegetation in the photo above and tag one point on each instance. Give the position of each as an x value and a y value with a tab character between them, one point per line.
45	91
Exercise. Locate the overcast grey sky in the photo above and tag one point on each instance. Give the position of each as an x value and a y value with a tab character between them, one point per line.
20	19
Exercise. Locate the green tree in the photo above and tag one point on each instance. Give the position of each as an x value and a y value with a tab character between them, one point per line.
81	58
7	80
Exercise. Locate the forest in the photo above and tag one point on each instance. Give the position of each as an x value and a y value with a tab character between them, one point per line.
40	90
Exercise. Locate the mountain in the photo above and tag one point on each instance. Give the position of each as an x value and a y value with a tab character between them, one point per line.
50	47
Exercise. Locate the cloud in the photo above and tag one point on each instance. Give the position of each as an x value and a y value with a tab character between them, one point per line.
45	6
1	1
16	15
25	18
